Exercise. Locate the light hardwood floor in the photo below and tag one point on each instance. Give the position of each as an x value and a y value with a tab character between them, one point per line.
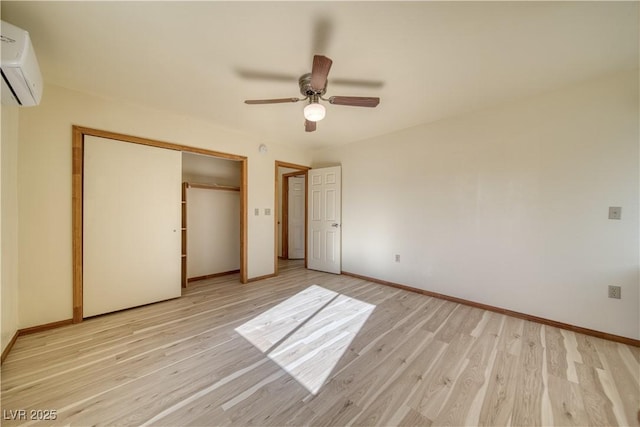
343	352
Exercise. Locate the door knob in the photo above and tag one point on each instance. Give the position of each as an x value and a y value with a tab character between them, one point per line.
335	224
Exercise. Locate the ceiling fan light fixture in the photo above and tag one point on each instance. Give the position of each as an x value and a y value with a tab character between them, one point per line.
314	112
313	86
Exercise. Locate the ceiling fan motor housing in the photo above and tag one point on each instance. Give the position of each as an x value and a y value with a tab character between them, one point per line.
305	86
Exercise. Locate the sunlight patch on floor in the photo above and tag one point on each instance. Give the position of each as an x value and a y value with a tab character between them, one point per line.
308	333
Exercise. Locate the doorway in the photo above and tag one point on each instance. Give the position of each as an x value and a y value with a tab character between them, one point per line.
290	233
293	216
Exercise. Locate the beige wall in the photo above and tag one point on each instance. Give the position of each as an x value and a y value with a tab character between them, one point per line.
213	231
44	176
507	206
9	224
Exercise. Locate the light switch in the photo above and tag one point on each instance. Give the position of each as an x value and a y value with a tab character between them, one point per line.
256	211
267	211
615	212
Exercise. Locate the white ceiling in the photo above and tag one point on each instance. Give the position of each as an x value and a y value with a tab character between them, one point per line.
430	60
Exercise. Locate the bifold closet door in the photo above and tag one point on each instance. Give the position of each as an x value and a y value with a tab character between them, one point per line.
131	225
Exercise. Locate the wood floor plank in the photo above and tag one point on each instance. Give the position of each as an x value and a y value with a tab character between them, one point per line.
409	360
439	381
527	408
471	379
472	323
573	355
556	356
282	394
588	351
452	326
625	380
443	312
413	419
633	366
497	407
383	406
566	402
297	414
213	416
597	405
511	336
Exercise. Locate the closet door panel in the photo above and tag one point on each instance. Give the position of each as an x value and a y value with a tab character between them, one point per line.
131	228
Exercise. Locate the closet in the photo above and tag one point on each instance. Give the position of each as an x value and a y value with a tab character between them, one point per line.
149	216
210	217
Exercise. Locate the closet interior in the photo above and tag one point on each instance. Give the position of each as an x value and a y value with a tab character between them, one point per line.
210	217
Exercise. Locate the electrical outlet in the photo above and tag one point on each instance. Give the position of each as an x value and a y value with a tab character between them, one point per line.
397	258
615	212
615	292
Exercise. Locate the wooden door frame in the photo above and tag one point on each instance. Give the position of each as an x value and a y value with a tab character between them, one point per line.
78	134
285	211
301	170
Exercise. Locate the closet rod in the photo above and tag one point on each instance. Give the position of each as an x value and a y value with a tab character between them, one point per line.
212	186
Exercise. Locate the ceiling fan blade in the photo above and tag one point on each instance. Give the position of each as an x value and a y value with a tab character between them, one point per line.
319	72
309	126
355	101
265	75
271	101
370	84
322	29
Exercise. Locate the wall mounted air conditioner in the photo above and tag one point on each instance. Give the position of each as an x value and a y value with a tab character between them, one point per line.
21	78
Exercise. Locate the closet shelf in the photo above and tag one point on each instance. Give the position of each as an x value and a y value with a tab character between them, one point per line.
212	186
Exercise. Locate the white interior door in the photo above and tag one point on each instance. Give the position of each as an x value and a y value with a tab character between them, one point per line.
131	225
324	239
296	217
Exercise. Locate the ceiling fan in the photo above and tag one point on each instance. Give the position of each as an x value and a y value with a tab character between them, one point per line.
313	86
